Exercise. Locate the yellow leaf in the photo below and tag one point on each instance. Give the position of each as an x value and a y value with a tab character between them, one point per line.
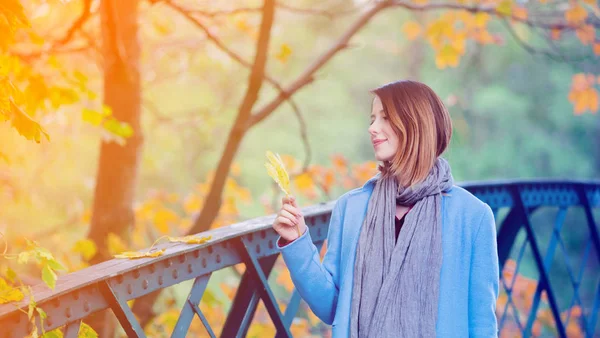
163	218
304	182
276	170
26	126
576	14
284	53
447	56
8	293
504	8
115	243
481	19
86	247
86	331
192	203
190	239
412	30
163	25
134	255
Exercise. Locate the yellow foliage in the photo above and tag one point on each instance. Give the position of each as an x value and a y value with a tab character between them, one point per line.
134	255
8	293
115	243
163	218
276	169
447	56
85	247
284	53
24	124
12	18
190	239
504	7
192	203
304	182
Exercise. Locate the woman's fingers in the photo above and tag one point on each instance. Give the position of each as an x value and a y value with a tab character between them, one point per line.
292	210
290	216
285	220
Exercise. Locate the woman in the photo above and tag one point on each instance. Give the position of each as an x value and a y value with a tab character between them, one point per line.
408	254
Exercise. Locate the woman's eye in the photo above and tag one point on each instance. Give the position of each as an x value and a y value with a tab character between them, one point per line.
385	117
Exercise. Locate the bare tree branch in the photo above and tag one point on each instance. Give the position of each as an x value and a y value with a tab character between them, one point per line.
307	76
328	13
77	24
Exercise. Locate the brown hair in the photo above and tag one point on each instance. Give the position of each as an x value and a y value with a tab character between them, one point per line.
423	125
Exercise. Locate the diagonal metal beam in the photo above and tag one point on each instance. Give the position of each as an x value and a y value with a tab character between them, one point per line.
558	223
544	281
122	311
595	237
245	302
264	290
72	329
189	308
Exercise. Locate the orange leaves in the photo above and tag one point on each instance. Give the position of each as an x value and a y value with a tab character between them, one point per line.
576	14
583	94
412	30
12	18
586	34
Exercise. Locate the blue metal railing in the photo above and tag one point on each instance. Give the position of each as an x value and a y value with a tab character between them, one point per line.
111	284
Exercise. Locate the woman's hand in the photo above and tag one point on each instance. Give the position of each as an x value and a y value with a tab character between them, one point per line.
289	220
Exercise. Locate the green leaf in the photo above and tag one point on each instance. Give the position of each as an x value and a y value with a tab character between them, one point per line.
25	256
54	265
41	312
85	331
49	276
32	304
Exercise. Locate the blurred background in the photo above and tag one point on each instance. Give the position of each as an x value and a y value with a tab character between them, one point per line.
130	120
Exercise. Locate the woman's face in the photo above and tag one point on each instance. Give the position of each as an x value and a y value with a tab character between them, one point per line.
384	139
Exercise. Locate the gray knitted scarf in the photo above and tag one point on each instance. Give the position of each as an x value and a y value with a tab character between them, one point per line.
396	284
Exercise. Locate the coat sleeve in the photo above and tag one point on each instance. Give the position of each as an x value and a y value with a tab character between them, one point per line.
317	282
484	279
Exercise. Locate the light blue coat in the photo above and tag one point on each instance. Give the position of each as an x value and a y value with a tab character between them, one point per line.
469	274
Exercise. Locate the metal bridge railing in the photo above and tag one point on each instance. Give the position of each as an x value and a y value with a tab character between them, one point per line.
112	283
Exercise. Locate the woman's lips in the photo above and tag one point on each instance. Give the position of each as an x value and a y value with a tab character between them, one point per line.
376	143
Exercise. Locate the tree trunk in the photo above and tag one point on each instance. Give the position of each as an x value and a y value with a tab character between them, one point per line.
118	164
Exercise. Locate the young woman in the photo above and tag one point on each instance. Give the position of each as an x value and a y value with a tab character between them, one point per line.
408	254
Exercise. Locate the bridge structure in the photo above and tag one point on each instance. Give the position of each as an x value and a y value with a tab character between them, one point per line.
533	218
